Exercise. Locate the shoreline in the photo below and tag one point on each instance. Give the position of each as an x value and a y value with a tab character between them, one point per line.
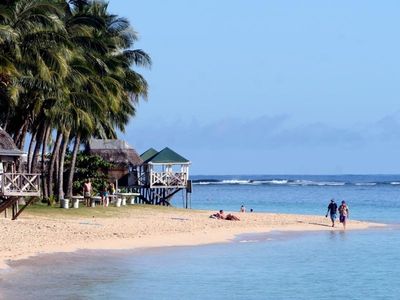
142	227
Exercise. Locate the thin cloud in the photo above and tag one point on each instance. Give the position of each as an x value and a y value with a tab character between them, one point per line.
263	132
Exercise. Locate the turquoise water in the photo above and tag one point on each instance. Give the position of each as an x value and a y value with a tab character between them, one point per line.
370	197
316	265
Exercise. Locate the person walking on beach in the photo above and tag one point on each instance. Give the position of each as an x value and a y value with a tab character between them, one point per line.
87	191
332	210
343	213
242	209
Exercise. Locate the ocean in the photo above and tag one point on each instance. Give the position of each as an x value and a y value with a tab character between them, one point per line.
360	264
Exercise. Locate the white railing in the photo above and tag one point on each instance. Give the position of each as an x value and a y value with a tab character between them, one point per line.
19	184
168	179
143	179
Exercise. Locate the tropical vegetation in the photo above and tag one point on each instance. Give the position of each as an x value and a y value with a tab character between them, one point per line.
67	74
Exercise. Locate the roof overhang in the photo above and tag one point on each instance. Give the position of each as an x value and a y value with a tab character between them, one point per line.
15	153
169	163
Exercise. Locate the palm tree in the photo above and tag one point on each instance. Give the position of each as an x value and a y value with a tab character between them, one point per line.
66	68
31	34
111	78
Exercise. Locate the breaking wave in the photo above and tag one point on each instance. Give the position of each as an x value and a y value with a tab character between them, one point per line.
289	182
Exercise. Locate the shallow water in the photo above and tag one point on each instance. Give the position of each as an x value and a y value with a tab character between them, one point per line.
317	265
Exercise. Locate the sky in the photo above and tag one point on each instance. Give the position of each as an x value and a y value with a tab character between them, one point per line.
270	87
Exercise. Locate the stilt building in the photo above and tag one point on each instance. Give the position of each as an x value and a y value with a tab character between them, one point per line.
162	175
15	186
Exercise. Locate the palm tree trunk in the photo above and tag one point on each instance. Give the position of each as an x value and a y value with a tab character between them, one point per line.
56	172
33	138
43	171
19	138
39	141
54	158
73	162
7	121
64	146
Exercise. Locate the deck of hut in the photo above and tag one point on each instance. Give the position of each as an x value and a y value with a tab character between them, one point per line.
14	185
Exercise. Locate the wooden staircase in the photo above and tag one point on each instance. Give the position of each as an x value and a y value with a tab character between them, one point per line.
12	202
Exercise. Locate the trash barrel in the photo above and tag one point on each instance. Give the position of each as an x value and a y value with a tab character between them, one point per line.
76	203
64	203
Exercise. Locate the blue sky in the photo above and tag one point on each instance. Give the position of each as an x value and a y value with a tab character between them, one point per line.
270	87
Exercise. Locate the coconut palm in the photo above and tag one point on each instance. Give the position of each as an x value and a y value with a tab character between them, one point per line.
66	70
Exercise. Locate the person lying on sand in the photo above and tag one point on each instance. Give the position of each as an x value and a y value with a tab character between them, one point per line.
231	217
221	215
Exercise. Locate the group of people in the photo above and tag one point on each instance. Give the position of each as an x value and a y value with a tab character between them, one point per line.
243	209
107	189
333	209
221	215
343	212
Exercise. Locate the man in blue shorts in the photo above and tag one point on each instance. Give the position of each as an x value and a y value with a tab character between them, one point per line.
332	210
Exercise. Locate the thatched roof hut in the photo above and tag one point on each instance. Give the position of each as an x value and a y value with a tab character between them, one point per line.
115	151
8	150
124	158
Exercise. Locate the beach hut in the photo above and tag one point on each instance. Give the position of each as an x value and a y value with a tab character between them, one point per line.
14	185
124	158
163	174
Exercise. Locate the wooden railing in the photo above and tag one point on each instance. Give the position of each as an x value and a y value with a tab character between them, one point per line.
19	184
168	179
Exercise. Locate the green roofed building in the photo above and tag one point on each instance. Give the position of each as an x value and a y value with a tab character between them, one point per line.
162	175
148	154
167	156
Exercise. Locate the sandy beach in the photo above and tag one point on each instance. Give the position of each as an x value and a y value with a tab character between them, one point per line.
137	227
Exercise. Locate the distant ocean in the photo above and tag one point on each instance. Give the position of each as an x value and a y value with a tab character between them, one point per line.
370	197
313	265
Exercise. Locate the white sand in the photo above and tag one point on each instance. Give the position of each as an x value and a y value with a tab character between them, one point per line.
142	227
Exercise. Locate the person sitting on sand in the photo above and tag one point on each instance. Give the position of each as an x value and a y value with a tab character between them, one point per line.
343	213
